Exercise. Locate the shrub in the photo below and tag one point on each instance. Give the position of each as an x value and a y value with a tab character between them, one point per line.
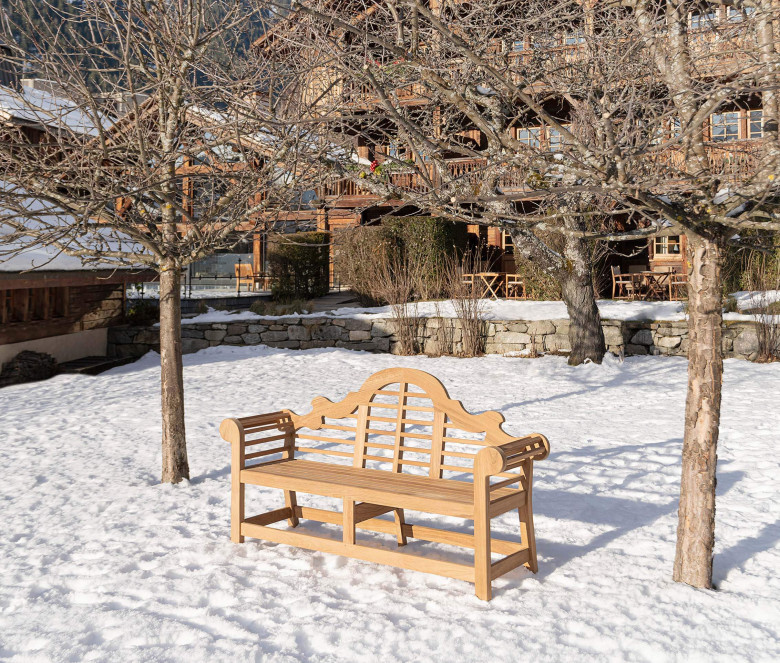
280	308
143	312
299	264
419	245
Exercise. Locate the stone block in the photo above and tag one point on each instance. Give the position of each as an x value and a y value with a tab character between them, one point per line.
192	333
642	337
330	333
218	325
256	329
557	343
130	350
634	349
251	339
274	336
292	345
520	327
118	335
668	342
540	327
298	333
214	334
233	340
236	329
747	342
147	336
381	328
512	338
189	345
613	335
359	335
358	324
308	345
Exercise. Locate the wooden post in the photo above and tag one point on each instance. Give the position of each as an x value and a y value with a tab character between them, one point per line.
237	494
349	521
257	250
527	533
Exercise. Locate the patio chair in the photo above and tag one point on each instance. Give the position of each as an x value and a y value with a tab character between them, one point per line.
624	286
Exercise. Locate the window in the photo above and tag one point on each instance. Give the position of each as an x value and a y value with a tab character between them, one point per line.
755	124
555	140
506	242
573	38
531	136
396	150
33	304
734	15
670	129
724	126
703	20
518	45
667	246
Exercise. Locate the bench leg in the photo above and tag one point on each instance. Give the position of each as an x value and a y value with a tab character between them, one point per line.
399	524
482	581
237	494
349	522
528	537
527	533
291	502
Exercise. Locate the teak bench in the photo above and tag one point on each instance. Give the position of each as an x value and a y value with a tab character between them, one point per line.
395	444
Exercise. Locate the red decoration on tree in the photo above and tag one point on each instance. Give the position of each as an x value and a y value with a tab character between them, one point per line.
373	165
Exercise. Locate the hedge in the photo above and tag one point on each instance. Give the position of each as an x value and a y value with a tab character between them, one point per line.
299	264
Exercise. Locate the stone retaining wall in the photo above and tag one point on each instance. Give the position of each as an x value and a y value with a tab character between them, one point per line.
376	335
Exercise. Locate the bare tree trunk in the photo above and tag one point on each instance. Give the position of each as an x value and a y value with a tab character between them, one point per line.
174	446
586	336
696	526
574	271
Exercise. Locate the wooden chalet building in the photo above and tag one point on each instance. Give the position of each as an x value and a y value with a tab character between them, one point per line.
732	134
50	302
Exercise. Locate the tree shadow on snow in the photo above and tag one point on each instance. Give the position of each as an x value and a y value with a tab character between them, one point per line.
739	554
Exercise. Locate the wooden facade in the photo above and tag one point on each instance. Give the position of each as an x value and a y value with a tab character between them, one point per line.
733	134
37	305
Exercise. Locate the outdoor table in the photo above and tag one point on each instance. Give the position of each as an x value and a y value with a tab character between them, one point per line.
493	283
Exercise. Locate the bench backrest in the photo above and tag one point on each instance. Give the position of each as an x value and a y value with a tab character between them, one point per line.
401	420
244	270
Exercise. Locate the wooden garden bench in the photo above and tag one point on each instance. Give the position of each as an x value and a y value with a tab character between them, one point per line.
398	443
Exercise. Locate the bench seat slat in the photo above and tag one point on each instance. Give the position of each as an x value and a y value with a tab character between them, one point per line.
442	496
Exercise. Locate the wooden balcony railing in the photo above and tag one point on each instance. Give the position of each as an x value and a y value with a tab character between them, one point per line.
731	160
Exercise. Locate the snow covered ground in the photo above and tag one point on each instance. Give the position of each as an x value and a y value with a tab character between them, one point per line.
100	562
152	291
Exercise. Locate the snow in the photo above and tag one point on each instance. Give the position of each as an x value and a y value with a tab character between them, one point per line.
100	562
152	291
502	309
752	299
20	251
38	106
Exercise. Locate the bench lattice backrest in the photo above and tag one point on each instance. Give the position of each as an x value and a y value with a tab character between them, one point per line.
401	420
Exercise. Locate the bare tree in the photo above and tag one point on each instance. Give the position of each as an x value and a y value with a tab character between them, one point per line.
155	145
544	116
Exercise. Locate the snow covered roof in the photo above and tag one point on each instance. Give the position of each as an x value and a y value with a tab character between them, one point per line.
34	105
20	252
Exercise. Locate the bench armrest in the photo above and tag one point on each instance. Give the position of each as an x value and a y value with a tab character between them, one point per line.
494	460
236	430
274	431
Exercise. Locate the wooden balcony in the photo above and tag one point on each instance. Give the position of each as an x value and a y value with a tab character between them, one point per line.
730	161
